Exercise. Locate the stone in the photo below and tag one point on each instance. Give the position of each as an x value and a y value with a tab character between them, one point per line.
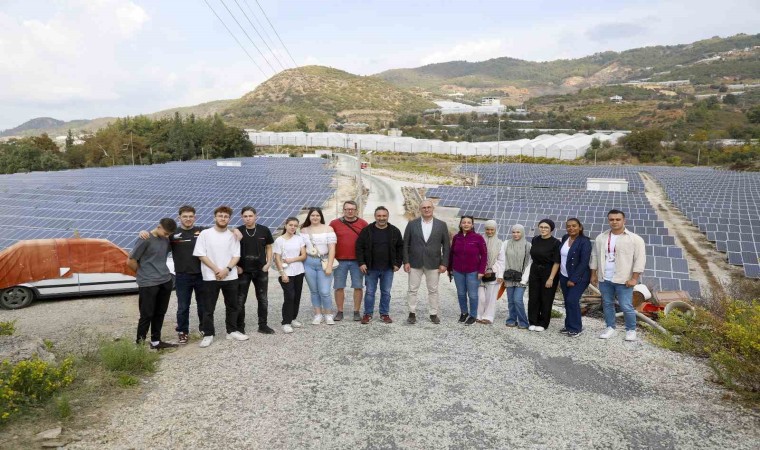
49	434
19	348
54	444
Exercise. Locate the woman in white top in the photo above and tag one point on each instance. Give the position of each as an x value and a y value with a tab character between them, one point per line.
289	253
320	245
489	284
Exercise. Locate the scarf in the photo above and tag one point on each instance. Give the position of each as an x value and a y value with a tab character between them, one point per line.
514	254
493	244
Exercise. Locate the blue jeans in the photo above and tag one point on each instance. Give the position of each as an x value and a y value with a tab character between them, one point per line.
319	284
185	284
516	303
467	287
572	296
385	277
340	274
624	296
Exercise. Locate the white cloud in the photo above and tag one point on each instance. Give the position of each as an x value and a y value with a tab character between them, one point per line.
469	51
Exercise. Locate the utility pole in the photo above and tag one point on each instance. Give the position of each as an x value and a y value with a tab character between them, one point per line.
132	147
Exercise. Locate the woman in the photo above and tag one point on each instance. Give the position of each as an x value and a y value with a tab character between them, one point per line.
467	262
574	274
289	253
515	260
489	286
542	281
320	244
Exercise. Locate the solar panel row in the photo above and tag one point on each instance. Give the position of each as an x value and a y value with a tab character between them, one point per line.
115	203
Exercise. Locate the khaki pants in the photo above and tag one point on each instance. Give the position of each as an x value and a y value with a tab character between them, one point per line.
431	280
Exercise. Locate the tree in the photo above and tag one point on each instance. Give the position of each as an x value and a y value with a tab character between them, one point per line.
301	123
320	126
595	143
69	140
730	99
644	144
753	115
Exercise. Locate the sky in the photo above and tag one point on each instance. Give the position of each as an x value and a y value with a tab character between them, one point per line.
83	59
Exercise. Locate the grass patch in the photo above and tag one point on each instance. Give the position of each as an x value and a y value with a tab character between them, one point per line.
126	357
727	334
125	380
7	328
556	314
63	406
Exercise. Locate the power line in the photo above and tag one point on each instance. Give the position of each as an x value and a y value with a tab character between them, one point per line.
249	37
274	55
236	39
261	26
276	33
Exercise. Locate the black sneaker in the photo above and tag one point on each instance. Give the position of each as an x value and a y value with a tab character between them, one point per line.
162	345
412	319
563	331
338	316
264	329
434	318
463	317
470	320
573	334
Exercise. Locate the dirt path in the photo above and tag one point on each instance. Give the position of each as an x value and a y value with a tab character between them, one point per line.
706	264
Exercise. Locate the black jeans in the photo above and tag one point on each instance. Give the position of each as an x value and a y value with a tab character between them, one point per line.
291	293
185	284
260	281
153	302
540	299
210	296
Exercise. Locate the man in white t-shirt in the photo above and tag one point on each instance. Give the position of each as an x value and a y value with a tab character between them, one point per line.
219	252
617	261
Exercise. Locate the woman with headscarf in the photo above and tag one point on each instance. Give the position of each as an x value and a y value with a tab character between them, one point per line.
542	282
514	260
489	284
574	274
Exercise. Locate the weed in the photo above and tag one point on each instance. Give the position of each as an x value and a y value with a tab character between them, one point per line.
556	314
63	406
126	357
7	328
30	382
125	380
48	344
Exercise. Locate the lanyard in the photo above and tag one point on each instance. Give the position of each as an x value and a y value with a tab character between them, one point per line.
609	238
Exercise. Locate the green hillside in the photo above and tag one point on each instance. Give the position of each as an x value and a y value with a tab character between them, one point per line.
524	79
321	94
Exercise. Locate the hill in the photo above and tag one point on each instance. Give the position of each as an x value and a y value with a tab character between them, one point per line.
321	94
703	61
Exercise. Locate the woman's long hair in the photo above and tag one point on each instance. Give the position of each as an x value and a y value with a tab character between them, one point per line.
307	222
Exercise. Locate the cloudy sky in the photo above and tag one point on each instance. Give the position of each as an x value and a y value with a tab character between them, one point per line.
73	59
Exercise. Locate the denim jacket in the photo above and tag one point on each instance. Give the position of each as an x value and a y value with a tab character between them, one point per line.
578	259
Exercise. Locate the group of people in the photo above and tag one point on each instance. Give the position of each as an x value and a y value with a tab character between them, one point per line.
208	261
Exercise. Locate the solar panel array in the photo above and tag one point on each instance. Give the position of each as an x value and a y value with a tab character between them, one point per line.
725	205
546	175
666	267
115	203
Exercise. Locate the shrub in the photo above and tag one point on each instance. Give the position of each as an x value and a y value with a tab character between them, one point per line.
128	358
29	382
731	343
125	380
7	328
63	406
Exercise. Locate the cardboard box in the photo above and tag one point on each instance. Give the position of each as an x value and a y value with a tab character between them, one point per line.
662	298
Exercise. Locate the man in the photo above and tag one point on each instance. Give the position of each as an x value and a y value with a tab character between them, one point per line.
154	281
379	253
426	253
219	252
616	263
347	229
255	260
187	269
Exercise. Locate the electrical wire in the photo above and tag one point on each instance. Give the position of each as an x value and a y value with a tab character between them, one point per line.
236	39
276	33
248	36
274	55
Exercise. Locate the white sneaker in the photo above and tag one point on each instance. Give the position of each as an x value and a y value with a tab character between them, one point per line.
317	319
329	319
630	335
295	324
206	341
238	336
538	328
532	328
608	333
287	328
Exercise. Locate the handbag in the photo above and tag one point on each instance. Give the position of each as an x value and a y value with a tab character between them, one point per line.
489	277
515	276
322	258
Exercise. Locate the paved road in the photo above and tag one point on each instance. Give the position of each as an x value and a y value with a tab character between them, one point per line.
381	386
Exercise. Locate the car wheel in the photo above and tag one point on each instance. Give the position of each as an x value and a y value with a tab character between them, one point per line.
16	297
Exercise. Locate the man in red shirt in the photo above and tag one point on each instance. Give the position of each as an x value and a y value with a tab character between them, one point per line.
347	229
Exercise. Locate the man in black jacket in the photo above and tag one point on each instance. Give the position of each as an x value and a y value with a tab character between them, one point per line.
379	253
